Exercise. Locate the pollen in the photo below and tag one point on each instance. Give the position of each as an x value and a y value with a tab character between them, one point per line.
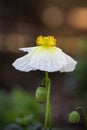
46	41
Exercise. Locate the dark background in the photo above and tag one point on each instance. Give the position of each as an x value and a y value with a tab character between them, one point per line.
21	21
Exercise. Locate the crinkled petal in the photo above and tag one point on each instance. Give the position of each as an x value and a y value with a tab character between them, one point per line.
71	64
22	63
27	49
45	59
48	59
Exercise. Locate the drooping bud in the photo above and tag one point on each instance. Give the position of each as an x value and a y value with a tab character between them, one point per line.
74	117
41	94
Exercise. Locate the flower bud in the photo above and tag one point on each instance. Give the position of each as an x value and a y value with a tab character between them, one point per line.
41	94
74	117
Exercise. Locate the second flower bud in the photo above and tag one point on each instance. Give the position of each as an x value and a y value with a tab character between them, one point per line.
41	94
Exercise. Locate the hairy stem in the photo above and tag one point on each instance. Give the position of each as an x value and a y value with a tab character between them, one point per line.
48	106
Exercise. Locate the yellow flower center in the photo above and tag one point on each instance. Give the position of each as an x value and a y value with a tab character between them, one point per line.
46	41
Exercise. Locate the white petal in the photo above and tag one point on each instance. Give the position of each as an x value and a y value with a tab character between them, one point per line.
45	59
71	64
48	60
27	49
22	63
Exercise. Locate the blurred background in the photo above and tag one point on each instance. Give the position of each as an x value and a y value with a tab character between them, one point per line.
21	21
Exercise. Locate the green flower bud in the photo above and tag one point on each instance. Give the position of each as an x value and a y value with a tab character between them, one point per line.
41	94
74	117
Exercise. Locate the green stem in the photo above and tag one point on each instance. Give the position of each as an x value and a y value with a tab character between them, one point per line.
48	106
85	116
43	82
50	119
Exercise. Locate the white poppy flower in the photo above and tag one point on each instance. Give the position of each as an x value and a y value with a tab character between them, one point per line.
45	57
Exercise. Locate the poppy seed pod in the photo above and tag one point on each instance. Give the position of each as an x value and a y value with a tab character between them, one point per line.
74	117
41	94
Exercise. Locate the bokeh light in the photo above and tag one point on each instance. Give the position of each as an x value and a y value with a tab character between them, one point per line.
52	17
77	18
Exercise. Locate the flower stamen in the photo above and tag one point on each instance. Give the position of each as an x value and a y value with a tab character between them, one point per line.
46	41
